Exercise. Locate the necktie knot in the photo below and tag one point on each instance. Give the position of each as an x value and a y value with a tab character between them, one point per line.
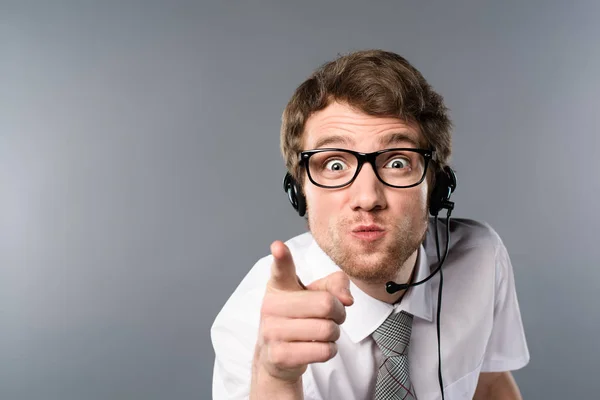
393	335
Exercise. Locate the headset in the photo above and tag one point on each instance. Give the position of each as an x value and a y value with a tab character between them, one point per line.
444	186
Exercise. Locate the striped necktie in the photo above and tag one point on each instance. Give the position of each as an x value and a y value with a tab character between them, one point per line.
393	337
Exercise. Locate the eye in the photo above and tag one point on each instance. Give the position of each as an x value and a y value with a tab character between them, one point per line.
335	165
398	162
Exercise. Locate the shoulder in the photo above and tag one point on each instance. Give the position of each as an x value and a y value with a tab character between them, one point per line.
466	235
476	251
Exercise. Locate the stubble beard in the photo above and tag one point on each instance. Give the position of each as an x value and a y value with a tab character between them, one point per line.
376	262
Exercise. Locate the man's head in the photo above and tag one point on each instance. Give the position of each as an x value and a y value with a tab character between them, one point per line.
367	101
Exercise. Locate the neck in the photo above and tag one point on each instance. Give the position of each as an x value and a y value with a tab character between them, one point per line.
378	291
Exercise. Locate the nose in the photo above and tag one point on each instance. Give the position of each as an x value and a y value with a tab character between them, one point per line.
367	191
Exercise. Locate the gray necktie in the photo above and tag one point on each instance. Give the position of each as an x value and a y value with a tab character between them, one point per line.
393	337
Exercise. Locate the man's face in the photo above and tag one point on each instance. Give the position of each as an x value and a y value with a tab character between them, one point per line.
337	217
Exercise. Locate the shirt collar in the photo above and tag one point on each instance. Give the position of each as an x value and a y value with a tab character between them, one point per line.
367	313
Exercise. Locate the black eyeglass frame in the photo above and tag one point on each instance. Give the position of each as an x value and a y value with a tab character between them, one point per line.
304	157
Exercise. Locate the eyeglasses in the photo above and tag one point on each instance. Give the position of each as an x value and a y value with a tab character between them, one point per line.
336	168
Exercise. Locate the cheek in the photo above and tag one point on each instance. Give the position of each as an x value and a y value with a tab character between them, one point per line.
422	195
409	203
323	207
421	201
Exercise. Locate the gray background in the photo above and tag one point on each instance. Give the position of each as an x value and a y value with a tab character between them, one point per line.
140	173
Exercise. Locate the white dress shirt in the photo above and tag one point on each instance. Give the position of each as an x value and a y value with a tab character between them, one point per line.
481	328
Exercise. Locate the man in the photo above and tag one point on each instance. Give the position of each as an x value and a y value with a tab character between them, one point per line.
314	320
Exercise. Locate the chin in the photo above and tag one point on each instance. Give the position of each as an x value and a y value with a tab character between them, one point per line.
371	275
370	267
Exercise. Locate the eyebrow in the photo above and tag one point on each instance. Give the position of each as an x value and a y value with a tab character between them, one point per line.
398	137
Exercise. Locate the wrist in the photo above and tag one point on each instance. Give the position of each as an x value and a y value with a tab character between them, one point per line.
266	386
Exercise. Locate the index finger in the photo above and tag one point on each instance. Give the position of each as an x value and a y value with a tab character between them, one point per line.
283	269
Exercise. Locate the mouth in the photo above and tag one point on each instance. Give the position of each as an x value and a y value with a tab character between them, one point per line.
368	233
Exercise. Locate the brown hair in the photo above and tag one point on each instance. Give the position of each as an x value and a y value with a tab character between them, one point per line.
376	82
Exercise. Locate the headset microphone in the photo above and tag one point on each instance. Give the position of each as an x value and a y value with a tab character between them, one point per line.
393	287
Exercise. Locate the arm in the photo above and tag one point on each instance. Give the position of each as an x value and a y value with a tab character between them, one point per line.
497	386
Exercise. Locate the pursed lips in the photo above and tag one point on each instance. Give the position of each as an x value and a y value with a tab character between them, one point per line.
368	232
367	228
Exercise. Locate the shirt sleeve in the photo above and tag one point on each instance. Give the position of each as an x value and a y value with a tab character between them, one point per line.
507	347
232	370
233	335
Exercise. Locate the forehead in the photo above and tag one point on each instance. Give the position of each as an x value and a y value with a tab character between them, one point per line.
339	125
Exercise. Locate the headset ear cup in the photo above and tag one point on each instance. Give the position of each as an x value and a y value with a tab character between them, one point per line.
289	189
300	200
434	199
445	184
294	192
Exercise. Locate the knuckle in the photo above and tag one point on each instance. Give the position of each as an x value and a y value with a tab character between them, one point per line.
328	330
343	315
328	351
279	355
276	354
323	352
327	304
268	329
335	331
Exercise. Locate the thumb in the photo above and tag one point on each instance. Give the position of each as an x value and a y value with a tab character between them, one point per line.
338	284
283	270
